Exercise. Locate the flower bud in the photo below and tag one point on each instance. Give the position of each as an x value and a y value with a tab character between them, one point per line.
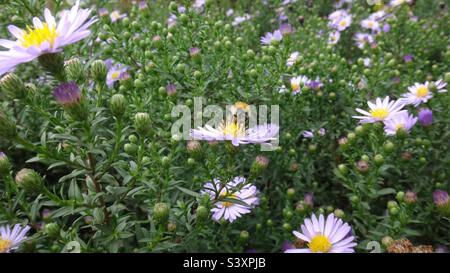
142	123
290	193
7	127
171	227
117	105
441	199
130	148
339	213
386	241
194	52
388	146
52	230
201	213
425	117
5	165
294	167
171	89
74	70
410	197
362	166
161	212
13	86
53	63
342	169
99	71
261	162
244	235
29	180
309	199
392	204
379	159
287	227
69	96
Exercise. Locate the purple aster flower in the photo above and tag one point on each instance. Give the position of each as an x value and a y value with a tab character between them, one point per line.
171	89
67	94
194	51
286	29
309	199
407	58
308	134
270	37
102	12
314	84
386	28
401	121
441	198
10	239
115	73
142	5
425	117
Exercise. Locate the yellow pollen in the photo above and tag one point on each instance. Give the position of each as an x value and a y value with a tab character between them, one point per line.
399	126
343	23
229	196
5	245
379	113
370	24
295	86
36	36
320	243
422	91
233	129
115	75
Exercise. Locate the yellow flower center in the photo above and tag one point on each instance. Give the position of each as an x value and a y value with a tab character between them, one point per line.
422	91
115	75
343	23
233	129
229	196
370	24
320	243
379	113
399	126
241	105
5	245
36	36
295	86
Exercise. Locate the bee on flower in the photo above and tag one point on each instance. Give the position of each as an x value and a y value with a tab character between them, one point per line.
421	92
381	110
10	239
402	121
330	235
223	195
44	37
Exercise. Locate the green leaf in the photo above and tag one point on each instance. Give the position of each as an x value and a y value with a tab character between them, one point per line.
386	191
188	192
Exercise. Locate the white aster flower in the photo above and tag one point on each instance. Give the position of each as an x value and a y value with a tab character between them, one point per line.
240	19
116	15
370	24
322	235
292	58
418	93
11	239
395	3
237	133
343	23
381	110
223	195
272	37
362	39
401	121
334	37
44	37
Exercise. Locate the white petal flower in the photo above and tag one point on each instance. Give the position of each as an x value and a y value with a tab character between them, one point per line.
380	110
292	58
329	235
418	93
11	239
236	189
402	121
44	37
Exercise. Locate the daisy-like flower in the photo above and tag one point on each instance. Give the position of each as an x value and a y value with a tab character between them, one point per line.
440	86
223	194
336	15
44	37
343	23
370	24
11	239
240	19
292	58
378	16
381	110
297	83
116	15
334	37
401	121
237	133
115	73
362	39
322	235
272	37
395	3
418	93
